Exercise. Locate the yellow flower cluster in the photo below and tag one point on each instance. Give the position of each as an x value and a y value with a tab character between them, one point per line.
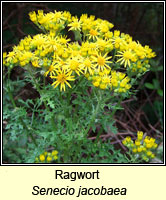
142	147
52	22
47	157
92	55
140	66
4	58
119	82
134	53
110	79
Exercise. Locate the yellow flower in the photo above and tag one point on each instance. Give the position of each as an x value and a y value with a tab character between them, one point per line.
116	33
74	65
32	16
126	57
11	56
103	86
75	25
51	70
140	135
96	83
134	150
106	79
4	58
93	33
88	66
63	40
148	145
139	149
101	61
147	139
87	22
58	17
55	157
102	44
62	78
118	42
39	41
142	147
104	26
42	158
149	153
108	35
152	156
137	143
49	158
67	16
155	145
35	63
127	141
54	153
149	53
124	142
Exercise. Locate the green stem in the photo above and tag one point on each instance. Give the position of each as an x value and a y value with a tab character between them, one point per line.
39	90
44	81
113	59
9	91
132	156
94	113
133	159
70	93
11	97
98	135
25	127
72	90
112	114
114	111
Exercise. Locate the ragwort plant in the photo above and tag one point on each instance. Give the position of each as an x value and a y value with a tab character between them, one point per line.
142	148
82	71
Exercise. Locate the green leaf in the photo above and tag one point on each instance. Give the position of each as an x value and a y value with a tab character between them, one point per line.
156	84
112	128
48	116
157	69
77	35
160	68
51	104
93	127
160	92
149	86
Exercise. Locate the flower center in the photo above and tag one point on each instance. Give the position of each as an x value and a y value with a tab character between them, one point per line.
101	61
93	32
74	65
76	24
87	63
61	78
127	55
